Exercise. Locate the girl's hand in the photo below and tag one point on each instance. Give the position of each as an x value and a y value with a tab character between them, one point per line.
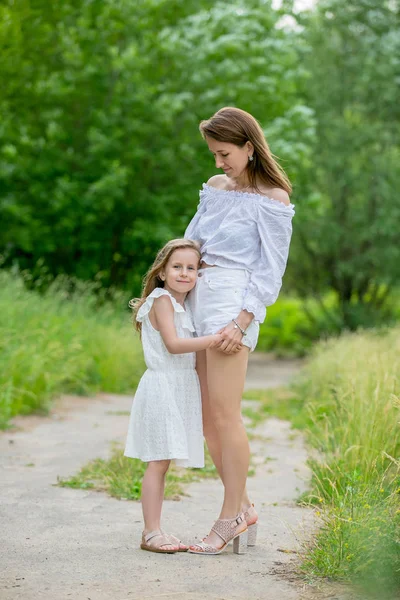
215	340
231	339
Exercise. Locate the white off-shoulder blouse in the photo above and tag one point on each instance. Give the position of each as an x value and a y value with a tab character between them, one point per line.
243	230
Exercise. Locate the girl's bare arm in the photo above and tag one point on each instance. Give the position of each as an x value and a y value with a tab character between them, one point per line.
164	319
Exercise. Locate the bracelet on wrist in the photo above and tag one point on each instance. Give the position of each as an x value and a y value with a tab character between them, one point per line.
237	326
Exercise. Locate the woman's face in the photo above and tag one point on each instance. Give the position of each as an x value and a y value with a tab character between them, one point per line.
232	159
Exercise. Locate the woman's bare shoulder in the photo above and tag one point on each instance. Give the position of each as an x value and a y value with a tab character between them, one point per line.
275	194
218	181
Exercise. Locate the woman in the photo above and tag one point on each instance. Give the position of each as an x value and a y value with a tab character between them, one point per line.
243	224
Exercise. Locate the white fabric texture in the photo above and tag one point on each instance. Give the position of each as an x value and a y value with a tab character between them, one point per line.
218	298
242	230
165	421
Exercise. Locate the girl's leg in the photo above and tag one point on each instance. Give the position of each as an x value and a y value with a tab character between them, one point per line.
153	485
225	382
210	430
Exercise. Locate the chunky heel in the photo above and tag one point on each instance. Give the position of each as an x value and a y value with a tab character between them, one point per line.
240	543
228	530
252	535
251	517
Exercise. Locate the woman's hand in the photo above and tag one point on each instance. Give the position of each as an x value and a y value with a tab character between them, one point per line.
231	339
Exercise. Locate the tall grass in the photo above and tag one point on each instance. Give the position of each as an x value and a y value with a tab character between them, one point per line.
62	341
351	391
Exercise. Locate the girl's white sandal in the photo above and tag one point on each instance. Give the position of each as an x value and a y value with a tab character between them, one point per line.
228	530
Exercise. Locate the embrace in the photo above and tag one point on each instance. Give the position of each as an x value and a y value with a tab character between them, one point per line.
202	303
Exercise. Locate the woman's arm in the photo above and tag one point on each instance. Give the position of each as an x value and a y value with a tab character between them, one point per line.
274	229
274	224
164	319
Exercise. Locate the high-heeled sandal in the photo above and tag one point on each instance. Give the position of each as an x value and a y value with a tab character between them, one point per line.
227	529
251	517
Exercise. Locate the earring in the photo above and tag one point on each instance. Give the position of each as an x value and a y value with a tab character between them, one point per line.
251	158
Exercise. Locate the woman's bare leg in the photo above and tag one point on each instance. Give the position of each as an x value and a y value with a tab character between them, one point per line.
225	382
210	431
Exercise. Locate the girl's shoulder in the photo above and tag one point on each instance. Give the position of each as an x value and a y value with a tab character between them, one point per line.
148	303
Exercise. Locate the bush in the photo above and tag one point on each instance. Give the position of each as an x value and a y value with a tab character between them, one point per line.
292	325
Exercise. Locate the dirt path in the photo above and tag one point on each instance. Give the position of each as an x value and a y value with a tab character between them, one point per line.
61	544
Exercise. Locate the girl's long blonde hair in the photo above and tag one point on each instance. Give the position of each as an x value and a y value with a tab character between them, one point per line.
235	126
152	279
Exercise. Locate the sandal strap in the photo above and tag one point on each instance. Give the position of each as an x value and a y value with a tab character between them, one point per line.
158	533
175	540
251	515
149	536
226	528
206	548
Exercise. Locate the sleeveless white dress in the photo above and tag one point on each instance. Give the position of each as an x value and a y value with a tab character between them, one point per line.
166	421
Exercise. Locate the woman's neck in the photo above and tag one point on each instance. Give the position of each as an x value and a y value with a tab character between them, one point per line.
242	182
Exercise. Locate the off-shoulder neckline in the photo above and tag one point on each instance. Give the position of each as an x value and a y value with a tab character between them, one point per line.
272	201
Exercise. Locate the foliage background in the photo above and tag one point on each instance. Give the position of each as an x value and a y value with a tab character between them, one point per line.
100	164
101	159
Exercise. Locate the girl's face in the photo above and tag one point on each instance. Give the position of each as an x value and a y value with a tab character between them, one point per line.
232	159
180	273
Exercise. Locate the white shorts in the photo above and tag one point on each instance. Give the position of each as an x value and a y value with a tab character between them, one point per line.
217	299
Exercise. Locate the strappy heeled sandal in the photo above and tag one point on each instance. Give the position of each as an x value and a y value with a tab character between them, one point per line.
251	517
228	530
165	541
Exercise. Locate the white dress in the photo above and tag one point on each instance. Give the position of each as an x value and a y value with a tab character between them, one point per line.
166	421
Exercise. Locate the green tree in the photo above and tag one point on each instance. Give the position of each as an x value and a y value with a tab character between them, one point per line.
347	227
100	155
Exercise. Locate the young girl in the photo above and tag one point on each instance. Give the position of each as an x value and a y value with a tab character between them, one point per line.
165	420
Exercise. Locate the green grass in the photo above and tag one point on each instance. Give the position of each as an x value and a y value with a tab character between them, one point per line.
62	341
347	402
121	477
350	393
282	403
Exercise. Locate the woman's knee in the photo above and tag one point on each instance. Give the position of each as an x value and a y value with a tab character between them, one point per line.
227	420
210	431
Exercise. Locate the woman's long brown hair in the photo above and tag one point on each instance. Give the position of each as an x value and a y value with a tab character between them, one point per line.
236	126
152	279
